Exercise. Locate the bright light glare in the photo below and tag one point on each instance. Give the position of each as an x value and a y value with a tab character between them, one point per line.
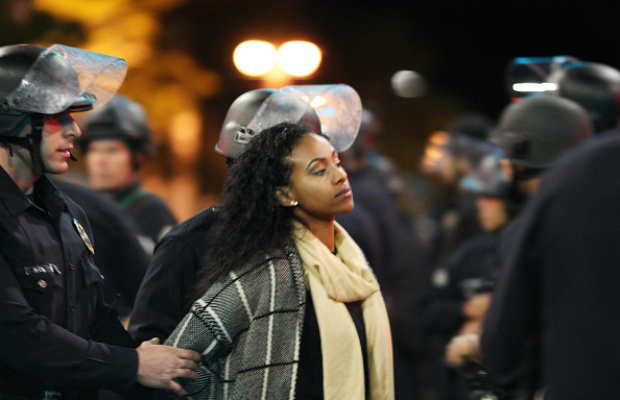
534	87
299	58
255	57
318	101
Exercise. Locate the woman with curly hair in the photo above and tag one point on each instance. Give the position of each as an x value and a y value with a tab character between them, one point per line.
288	307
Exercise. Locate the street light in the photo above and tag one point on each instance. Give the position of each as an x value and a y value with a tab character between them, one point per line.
255	57
277	67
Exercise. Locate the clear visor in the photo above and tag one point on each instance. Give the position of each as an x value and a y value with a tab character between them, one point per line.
64	76
527	75
338	107
278	107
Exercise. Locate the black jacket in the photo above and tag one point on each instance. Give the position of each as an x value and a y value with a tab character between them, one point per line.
149	212
119	255
51	299
467	272
559	288
166	291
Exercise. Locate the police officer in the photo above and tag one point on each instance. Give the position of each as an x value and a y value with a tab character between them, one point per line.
458	302
115	140
554	318
120	256
53	324
533	133
595	87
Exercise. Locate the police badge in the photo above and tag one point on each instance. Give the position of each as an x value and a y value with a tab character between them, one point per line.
83	236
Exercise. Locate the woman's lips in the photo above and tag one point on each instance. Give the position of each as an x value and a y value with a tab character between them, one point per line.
344	193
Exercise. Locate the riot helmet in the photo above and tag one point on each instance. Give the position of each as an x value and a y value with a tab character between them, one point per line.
36	81
534	131
334	111
256	110
121	118
367	140
489	179
594	86
338	107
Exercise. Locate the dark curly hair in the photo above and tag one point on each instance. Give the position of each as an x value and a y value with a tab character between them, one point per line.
251	220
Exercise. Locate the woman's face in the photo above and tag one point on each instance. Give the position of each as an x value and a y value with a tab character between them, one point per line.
318	182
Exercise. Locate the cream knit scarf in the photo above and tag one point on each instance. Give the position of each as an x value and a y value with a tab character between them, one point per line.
334	280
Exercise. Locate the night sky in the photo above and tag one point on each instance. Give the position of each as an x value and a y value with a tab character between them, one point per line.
462	48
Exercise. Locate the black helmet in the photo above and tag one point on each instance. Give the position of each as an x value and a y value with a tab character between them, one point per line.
47	81
594	86
36	81
121	118
534	131
256	110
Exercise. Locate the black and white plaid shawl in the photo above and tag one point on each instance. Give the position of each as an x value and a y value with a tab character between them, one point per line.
247	327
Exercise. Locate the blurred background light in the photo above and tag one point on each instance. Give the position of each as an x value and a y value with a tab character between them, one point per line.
299	58
408	84
255	57
529	87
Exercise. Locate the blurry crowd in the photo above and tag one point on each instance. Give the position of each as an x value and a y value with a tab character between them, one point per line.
497	259
434	236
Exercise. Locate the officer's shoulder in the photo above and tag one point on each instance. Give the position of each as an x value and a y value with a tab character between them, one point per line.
202	221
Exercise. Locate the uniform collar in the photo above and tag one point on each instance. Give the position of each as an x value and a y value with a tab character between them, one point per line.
16	201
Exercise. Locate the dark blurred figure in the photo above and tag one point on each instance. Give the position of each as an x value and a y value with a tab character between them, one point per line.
448	158
471	124
595	87
459	302
534	133
115	140
554	319
401	266
119	254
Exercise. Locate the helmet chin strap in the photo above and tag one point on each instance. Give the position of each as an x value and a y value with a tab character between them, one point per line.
31	142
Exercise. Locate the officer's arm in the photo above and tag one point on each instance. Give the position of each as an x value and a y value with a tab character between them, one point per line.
32	345
510	322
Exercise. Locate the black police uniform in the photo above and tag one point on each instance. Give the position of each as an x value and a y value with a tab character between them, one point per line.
149	212
50	301
119	255
441	311
166	291
467	271
559	288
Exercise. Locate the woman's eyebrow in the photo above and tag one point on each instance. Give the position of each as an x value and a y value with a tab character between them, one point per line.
319	159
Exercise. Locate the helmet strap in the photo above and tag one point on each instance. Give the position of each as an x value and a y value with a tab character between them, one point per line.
36	122
31	142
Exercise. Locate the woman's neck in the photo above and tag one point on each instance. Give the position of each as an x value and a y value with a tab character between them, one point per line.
324	231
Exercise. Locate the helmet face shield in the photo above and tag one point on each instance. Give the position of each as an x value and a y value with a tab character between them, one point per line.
527	75
338	107
257	110
277	108
65	77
